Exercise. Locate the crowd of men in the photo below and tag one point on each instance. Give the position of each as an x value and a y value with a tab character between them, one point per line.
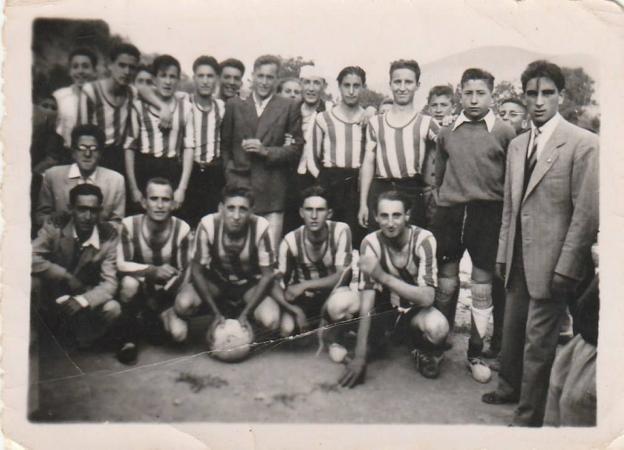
152	206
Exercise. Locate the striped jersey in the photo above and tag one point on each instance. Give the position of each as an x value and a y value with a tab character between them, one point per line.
207	130
96	108
137	252
234	265
296	265
147	137
337	143
420	269
400	152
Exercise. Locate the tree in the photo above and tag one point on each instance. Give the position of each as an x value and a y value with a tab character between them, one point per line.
291	66
504	90
369	97
579	92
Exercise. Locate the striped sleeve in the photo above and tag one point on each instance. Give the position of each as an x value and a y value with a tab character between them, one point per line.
286	261
203	243
189	131
433	131
343	246
183	246
266	258
125	251
366	283
371	137
427	266
134	128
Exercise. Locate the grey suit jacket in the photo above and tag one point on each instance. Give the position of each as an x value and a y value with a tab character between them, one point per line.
54	194
266	176
559	210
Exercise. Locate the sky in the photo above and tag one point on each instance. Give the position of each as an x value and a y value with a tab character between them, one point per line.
369	33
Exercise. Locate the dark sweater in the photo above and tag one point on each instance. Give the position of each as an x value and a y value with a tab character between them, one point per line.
470	162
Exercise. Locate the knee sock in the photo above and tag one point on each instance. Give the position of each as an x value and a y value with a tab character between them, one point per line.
481	311
446	297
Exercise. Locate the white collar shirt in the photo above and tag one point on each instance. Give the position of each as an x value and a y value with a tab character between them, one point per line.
489	120
74	174
93	241
261	104
544	134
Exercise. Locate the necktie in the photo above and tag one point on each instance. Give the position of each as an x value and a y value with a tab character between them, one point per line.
531	158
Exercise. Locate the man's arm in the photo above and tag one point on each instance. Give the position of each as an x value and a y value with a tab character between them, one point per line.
45	203
585	215
354	373
42	248
280	155
259	293
187	166
118	211
227	133
107	286
201	286
441	158
501	257
367	171
148	95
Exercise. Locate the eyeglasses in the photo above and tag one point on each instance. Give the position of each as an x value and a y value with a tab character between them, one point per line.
511	114
87	148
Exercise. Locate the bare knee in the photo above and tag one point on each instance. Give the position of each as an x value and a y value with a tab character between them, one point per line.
187	302
129	288
433	325
267	314
287	325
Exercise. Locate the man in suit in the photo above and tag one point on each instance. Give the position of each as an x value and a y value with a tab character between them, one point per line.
87	145
550	219
74	270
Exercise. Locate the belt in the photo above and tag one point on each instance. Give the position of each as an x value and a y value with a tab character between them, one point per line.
203	166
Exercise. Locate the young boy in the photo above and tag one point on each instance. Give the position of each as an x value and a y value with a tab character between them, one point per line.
207	180
470	173
232	269
514	112
440	102
313	257
152	151
152	257
397	283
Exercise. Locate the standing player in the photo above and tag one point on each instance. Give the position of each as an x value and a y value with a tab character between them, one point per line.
231	78
108	104
207	180
440	102
400	148
470	172
82	69
153	151
397	284
232	268
338	141
152	257
313	257
514	112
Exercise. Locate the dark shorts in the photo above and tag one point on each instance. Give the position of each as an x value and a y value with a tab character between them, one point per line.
389	323
230	300
204	192
473	226
147	166
312	305
421	198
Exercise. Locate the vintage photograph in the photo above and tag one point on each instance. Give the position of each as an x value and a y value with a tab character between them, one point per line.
243	226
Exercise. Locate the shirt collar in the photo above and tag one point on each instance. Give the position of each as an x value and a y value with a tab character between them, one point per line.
93	241
261	103
489	119
547	129
74	172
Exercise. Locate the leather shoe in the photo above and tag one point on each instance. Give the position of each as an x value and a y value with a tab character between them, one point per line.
496	398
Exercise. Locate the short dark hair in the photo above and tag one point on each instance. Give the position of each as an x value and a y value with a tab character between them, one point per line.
87	129
83	51
515	101
163	62
232	62
405	64
315	190
352	70
157	180
266	60
144	68
230	191
283	81
478	74
394	196
124	49
543	69
85	189
441	90
205	60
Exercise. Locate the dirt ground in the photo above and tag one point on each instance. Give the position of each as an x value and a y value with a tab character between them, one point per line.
281	382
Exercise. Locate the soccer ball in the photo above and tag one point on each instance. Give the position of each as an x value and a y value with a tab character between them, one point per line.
230	341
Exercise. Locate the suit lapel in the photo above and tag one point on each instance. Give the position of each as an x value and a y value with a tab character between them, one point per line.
251	117
517	168
547	158
67	244
267	118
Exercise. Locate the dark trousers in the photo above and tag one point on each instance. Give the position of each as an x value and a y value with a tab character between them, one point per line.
342	186
498	313
420	196
147	166
204	192
113	157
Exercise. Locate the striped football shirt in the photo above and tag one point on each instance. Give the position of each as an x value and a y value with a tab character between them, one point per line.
96	108
136	252
207	130
148	138
296	265
420	270
400	152
337	143
236	266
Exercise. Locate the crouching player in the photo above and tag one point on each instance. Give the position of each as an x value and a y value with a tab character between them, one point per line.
397	289
151	259
312	259
233	266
